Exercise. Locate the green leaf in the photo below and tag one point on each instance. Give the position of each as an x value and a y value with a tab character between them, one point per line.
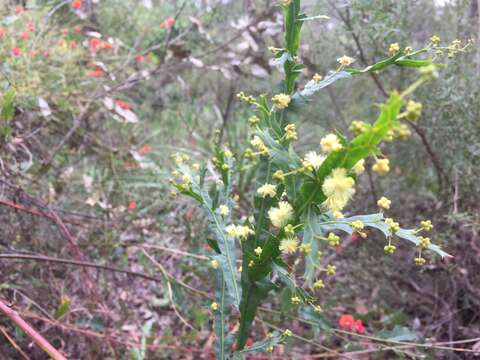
311	229
399	333
259	346
63	308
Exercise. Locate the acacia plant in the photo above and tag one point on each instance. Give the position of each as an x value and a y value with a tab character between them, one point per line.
299	199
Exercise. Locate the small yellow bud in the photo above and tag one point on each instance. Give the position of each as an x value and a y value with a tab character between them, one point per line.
389	249
258	251
291	132
393	48
289	230
384	203
435	40
333	239
419	261
381	167
215	264
279	175
319	284
426	225
305	249
287	333
345	60
253	120
317	78
414	110
331	270
214	306
393	225
295	300
424	242
281	101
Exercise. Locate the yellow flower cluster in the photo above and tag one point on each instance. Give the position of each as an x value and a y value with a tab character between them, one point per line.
358	127
345	60
330	143
281	101
238	231
223	210
313	161
247	98
384	203
338	188
359	167
267	190
392	224
258	144
333	240
317	77
426	225
424	242
389	249
291	132
393	48
382	166
288	246
281	215
414	110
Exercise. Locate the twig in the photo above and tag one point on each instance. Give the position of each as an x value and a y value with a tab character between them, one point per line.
13	343
78	263
169	287
31	332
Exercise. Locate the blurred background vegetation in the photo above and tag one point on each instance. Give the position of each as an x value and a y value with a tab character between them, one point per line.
97	98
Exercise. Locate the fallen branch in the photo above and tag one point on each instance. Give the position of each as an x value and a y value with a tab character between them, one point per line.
31	332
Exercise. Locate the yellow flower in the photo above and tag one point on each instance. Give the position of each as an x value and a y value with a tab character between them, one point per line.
286	2
253	120
196	166
317	78
279	175
305	249
424	242
289	230
338	188
291	132
317	308
238	231
331	270
214	306
312	159
267	190
288	245
420	261
427	225
345	60
393	48
414	110
215	264
281	101
223	209
381	167
319	284
384	203
393	225
358	127
295	300
435	40
258	251
359	167
357	225
287	333
281	215
389	249
333	240
258	144
330	143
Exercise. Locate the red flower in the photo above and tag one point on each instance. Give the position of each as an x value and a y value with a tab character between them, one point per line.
73	44
65	32
97	73
168	22
77	29
346	322
25	35
76	4
132	205
16	51
3	32
19	9
144	150
30	25
188	214
140	58
123	104
95	44
359	326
